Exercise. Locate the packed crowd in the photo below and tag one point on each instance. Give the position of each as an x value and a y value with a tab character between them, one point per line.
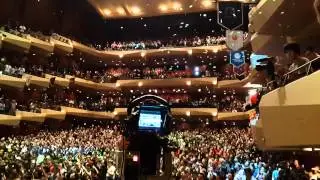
114	74
231	103
228	153
22	31
111	75
7	106
179	42
91	153
7	69
82	153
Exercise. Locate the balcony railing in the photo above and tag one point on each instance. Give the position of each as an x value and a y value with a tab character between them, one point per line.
300	72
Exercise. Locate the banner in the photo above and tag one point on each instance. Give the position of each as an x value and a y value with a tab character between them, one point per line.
234	39
239	71
237	58
230	14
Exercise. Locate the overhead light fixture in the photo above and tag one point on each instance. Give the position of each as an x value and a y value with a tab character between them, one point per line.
206	3
107	12
176	6
190	51
307	149
163	7
135	10
120	11
214	82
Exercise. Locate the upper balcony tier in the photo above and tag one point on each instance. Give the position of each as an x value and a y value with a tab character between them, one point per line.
119	85
62	45
209	113
277	22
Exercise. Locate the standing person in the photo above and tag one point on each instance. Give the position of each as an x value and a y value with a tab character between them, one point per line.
293	54
13	107
312	55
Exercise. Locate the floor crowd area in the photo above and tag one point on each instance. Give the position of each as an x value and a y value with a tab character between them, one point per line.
91	153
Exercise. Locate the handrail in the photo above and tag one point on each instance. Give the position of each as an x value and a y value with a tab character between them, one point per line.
307	63
284	79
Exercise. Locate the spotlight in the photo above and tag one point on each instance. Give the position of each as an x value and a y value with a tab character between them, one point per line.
107	12
206	3
135	10
176	6
135	158
163	7
120	11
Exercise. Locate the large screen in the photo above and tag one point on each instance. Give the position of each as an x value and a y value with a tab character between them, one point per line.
150	119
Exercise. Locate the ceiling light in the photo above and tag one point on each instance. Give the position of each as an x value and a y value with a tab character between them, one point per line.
163	7
307	149
135	10
190	6
176	6
206	3
107	12
190	51
214	82
120	11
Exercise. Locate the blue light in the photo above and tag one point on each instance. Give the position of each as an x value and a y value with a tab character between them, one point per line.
255	57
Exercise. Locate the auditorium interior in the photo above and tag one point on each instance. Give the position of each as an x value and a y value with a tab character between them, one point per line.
241	79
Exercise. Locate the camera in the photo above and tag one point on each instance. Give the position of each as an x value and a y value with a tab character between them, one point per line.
145	130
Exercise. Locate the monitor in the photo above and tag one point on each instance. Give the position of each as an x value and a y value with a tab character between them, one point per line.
150	119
